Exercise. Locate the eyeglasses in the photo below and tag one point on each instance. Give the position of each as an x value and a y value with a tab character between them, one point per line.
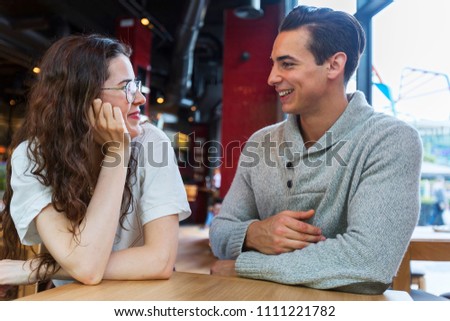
130	89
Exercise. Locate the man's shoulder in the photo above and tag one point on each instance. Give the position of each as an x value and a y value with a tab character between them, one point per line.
381	122
272	130
377	122
391	133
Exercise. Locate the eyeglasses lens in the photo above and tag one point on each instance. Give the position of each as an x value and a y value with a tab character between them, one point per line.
131	88
131	91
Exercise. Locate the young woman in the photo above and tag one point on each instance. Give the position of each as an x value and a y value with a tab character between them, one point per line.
100	192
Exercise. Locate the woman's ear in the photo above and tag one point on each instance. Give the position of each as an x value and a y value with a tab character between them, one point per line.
336	65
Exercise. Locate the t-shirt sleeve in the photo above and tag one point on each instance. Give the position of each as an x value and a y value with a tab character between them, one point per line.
30	196
162	189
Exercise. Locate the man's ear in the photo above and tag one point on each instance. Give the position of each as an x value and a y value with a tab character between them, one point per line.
336	65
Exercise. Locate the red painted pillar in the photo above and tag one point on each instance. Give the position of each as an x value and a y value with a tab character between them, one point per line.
139	38
249	103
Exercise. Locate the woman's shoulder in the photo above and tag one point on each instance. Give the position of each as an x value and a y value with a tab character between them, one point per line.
20	150
151	133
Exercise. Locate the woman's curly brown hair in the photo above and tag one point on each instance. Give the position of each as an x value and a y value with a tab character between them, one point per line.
59	134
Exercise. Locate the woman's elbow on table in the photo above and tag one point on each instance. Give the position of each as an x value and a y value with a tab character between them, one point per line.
88	275
164	270
90	280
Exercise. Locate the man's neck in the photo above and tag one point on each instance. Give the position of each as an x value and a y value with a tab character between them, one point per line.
313	126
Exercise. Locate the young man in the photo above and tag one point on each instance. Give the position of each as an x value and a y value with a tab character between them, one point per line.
328	198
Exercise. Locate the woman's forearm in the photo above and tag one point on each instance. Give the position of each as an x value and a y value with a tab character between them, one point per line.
140	263
85	255
154	260
19	272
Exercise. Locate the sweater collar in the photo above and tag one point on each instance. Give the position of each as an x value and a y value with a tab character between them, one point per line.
356	113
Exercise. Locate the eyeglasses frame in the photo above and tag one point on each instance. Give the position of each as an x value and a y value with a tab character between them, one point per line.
138	84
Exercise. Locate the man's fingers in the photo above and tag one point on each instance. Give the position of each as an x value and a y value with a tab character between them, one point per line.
223	268
306	228
300	215
288	245
283	232
297	245
294	221
300	231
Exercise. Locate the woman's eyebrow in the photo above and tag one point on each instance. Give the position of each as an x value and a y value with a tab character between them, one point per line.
124	81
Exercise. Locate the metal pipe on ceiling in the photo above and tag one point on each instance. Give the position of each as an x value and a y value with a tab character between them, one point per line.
13	59
139	11
11	54
180	80
26	39
251	10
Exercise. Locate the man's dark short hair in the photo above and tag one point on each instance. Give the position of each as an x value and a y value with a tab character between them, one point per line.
330	32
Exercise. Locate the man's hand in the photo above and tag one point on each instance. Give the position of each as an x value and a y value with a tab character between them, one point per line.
224	268
283	232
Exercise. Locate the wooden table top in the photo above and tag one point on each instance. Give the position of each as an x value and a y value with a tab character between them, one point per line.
425	245
201	287
427	234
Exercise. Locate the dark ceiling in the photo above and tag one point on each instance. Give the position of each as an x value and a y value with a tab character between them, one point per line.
28	27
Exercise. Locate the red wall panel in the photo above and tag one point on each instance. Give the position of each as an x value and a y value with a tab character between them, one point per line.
249	103
139	38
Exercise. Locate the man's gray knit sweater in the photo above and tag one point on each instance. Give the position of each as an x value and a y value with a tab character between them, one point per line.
362	180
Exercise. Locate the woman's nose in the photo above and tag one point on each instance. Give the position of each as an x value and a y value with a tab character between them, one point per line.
139	99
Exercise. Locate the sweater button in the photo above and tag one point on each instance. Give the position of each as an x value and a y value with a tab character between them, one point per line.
289	184
289	164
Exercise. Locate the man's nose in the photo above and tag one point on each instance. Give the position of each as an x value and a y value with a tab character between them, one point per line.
274	78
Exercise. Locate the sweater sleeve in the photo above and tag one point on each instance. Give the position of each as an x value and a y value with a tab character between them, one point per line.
381	214
228	229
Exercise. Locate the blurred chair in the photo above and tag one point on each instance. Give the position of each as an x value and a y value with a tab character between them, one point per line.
418	278
419	295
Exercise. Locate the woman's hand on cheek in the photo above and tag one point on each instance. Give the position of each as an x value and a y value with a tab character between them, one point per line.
108	124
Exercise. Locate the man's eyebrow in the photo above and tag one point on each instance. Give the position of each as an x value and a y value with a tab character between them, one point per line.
281	58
